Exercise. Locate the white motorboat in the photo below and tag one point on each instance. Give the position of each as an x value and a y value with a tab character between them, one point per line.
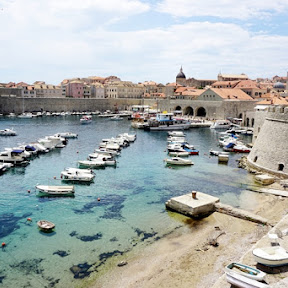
175	147
92	163
214	152
178	154
106	151
242	281
116	118
8	132
176	139
271	256
26	115
66	135
14	156
48	144
108	159
39	147
86	119
58	142
75	174
221	124
129	137
178	161
245	270
48	190
110	146
176	133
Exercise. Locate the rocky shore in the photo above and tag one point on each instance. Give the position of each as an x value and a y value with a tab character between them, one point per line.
195	254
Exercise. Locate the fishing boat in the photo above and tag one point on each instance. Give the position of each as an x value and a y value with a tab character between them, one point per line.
271	256
245	270
241	281
178	161
116	118
91	163
48	190
45	225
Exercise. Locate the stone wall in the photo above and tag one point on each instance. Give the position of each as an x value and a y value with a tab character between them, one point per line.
213	109
19	105
270	150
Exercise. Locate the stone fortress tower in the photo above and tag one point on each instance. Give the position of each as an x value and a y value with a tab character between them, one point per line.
270	150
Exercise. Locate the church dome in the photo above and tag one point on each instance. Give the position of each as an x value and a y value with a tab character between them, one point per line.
279	85
181	74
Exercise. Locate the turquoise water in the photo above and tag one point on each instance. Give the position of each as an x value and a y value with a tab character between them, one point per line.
131	212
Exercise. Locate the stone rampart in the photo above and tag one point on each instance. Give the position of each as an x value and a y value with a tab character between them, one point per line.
270	149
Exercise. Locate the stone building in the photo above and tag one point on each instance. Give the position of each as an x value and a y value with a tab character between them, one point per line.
123	89
269	152
232	77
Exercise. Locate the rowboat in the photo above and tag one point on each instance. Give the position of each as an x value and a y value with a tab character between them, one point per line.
56	190
241	281
245	270
45	225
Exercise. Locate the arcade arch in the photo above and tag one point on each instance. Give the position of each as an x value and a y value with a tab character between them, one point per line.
201	112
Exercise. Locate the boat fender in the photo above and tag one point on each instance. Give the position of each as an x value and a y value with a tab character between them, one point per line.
98	199
3	244
29	219
61	176
54	177
28	191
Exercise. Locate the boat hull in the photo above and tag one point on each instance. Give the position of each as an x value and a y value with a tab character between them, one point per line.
244	282
55	190
271	256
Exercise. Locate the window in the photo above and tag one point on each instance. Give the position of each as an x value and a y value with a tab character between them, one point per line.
280	167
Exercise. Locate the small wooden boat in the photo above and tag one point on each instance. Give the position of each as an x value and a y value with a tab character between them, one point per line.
271	256
246	270
241	281
45	225
55	190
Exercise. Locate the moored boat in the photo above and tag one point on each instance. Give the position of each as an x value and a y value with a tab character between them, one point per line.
55	190
45	225
86	119
79	175
7	132
178	161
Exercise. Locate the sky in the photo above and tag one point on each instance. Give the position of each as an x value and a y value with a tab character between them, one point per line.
141	40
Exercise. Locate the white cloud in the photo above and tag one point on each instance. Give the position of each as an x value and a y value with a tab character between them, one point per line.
243	9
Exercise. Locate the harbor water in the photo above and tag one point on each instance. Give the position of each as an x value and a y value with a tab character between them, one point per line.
121	211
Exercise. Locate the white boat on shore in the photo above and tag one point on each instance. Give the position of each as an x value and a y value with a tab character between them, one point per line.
79	175
245	270
55	190
178	161
241	281
221	124
272	256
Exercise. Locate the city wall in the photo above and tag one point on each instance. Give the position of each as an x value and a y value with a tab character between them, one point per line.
269	152
212	109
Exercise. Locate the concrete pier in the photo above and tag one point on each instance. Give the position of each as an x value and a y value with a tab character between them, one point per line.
200	206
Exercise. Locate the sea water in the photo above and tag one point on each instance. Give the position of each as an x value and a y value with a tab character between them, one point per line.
122	210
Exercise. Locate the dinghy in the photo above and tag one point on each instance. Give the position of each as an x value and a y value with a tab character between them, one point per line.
271	256
45	225
245	270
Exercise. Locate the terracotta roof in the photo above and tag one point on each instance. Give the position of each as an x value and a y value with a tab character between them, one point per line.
226	83
276	100
247	84
232	94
